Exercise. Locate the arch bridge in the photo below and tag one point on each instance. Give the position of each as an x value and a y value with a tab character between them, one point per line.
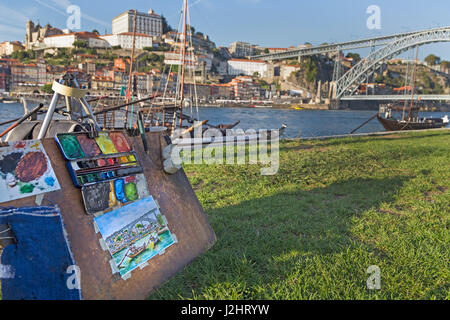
390	47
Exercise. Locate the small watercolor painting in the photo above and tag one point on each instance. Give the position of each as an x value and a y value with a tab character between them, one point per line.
25	171
135	234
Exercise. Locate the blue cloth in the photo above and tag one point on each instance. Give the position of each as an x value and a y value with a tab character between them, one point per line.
41	257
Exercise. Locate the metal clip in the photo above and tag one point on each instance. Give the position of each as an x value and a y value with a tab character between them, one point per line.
92	132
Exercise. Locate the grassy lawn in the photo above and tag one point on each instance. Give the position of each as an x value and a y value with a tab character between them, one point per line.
335	208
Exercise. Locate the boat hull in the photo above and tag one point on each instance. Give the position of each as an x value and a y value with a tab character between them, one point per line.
394	125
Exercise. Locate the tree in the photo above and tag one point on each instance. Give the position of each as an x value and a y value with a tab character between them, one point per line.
166	26
432	60
445	64
96	32
47	88
355	56
310	66
23	55
80	44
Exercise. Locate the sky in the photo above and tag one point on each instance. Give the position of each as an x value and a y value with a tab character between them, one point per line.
269	23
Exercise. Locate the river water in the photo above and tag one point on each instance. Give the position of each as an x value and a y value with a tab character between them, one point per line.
300	123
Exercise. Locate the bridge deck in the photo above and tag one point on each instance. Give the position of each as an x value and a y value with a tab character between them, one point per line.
423	97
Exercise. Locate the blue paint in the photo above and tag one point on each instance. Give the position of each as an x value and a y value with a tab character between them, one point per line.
50	181
119	187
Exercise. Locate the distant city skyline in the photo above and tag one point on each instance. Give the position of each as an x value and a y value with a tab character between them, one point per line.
267	23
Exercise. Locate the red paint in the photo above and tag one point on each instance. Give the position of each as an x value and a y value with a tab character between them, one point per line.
130	179
20	145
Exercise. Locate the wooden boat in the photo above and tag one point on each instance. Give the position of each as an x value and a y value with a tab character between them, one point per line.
417	124
134	252
410	114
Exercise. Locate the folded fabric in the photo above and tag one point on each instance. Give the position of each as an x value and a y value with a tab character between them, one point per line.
41	260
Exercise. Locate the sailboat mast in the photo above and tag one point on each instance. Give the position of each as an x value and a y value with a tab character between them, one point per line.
414	82
183	65
131	64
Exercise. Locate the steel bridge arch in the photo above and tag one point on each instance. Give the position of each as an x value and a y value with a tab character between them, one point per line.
360	71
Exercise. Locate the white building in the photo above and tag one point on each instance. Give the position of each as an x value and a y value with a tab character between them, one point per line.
247	67
241	49
8	47
67	40
286	70
125	40
148	23
175	58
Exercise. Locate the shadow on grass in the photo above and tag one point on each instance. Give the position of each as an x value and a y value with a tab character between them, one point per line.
262	242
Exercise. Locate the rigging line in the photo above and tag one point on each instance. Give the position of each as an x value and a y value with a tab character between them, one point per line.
195	80
191	70
414	80
169	67
406	81
183	67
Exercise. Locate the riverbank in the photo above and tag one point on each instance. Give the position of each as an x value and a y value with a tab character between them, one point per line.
335	208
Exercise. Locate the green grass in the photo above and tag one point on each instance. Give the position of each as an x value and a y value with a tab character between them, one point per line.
335	208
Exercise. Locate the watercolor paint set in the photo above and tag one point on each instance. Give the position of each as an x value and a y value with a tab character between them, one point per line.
100	169
77	146
106	169
102	197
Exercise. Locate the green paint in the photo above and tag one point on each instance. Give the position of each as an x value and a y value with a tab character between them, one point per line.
27	188
71	147
131	191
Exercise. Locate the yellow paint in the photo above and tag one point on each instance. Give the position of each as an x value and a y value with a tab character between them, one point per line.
123	160
36	145
112	196
105	143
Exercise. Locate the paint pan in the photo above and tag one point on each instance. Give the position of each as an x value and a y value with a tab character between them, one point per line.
131	191
105	143
89	146
96	197
70	146
120	142
119	189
